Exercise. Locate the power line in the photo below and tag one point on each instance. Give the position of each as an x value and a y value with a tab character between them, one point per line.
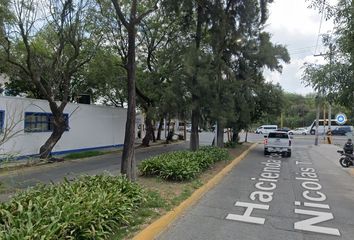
302	50
319	28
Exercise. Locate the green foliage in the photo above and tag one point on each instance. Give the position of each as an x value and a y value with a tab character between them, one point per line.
182	165
88	208
83	154
215	153
230	144
335	79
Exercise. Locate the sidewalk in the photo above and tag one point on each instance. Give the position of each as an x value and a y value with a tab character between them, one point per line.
329	151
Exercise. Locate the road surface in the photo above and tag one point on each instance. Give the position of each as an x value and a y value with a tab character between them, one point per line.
305	197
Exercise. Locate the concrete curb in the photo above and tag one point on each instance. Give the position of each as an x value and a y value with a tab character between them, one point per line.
161	224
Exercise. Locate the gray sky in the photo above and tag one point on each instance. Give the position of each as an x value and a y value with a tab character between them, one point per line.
294	25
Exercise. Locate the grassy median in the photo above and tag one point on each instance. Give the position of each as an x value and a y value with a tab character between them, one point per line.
109	207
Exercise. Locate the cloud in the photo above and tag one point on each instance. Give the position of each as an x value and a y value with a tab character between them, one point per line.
294	25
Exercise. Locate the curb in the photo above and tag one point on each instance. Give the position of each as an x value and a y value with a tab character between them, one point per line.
161	224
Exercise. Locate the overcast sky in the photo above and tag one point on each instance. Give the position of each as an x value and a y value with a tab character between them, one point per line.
294	25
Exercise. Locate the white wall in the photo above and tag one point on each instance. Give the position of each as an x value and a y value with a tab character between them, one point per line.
91	126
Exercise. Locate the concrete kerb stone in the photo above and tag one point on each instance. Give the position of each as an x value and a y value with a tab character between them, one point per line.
161	224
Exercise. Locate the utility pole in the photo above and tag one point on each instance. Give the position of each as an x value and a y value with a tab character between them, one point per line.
317	119
281	120
324	122
330	77
318	104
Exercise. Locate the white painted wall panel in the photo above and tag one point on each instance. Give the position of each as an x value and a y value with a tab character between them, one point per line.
91	126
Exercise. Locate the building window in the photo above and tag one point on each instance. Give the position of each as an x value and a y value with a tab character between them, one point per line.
2	121
41	122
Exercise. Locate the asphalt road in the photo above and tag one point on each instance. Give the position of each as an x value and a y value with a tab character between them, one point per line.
70	169
305	197
298	139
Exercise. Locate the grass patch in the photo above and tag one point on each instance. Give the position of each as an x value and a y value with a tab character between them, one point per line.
2	187
84	154
88	208
148	211
99	207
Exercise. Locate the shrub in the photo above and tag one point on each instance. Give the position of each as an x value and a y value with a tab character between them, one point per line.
171	166
230	144
182	165
88	208
218	154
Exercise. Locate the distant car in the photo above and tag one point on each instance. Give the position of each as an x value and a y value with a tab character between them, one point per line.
189	129
265	129
299	131
341	130
284	129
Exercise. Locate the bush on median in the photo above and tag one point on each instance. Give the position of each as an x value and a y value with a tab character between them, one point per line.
182	165
88	208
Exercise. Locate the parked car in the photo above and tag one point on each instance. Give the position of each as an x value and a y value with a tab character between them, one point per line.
299	131
341	130
284	129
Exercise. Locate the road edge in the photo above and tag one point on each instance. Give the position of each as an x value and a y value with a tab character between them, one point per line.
10	171
161	224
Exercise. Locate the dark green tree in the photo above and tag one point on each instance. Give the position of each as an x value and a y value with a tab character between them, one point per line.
128	15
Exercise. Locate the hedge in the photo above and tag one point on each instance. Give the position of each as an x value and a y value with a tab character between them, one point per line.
182	165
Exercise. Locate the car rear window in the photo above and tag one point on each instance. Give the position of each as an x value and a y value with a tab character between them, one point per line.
278	135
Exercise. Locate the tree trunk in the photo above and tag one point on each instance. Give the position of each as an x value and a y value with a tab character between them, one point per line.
59	127
185	131
47	147
220	135
153	131
128	167
159	130
149	132
194	141
234	134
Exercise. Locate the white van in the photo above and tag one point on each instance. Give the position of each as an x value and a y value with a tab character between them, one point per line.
266	129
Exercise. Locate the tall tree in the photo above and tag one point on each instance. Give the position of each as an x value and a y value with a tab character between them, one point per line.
339	72
48	42
241	49
128	165
192	17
